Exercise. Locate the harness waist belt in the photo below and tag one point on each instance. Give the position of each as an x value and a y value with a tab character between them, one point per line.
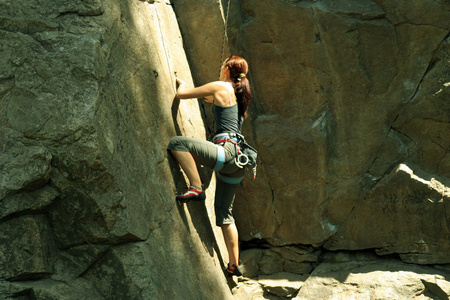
225	140
225	135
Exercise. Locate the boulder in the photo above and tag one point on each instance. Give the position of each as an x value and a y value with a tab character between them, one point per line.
353	275
282	284
291	259
393	219
374	280
27	250
253	290
23	168
72	263
250	261
28	202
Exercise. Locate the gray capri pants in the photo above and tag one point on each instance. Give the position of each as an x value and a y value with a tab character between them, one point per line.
206	153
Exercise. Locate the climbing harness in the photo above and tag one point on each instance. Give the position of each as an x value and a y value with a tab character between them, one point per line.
226	137
241	159
245	154
220	140
230	180
225	36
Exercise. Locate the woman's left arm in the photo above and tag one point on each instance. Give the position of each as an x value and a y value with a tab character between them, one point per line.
183	92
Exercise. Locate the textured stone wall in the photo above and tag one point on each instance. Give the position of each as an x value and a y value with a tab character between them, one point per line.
87	207
351	120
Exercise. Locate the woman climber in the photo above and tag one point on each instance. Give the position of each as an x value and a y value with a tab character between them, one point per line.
230	97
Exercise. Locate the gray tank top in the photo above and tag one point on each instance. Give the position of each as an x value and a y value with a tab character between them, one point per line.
227	119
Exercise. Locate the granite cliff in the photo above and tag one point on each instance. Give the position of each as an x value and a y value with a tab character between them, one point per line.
351	117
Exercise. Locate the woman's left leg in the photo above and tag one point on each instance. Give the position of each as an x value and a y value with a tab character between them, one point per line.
187	163
188	152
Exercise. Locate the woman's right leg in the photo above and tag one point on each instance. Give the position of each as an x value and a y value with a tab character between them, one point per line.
223	205
231	237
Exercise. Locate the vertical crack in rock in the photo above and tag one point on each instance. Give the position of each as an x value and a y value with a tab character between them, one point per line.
313	17
339	226
275	215
431	64
381	147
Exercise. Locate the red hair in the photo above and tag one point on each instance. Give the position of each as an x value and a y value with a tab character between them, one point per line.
238	68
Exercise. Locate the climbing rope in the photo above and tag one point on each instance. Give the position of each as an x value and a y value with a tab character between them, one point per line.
225	37
166	52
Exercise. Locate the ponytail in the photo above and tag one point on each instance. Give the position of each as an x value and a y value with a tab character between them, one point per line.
243	95
238	69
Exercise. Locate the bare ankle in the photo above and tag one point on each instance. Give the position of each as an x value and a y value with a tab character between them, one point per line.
198	187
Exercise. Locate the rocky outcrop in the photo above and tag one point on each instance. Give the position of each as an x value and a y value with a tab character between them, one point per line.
350	117
351	275
364	277
346	93
86	189
401	193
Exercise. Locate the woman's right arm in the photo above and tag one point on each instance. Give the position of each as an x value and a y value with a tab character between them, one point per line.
209	99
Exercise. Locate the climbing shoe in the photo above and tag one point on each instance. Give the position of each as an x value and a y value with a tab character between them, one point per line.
237	271
192	194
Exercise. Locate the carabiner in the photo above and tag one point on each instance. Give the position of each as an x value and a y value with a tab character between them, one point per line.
239	160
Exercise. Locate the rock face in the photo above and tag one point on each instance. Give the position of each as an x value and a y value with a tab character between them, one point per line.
86	188
350	117
345	93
